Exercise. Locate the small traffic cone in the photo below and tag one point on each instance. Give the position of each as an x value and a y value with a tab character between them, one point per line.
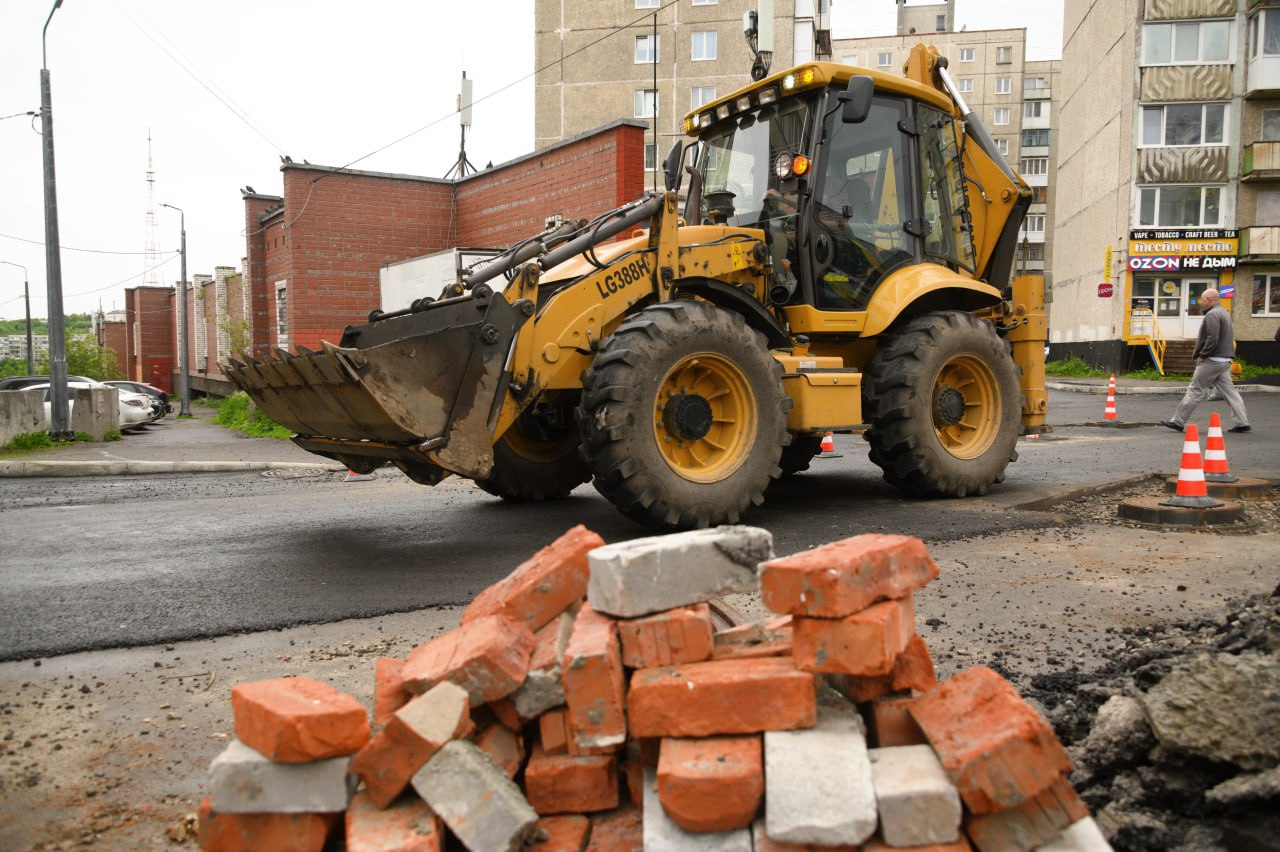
352	476
1109	413
1191	492
1215	454
828	447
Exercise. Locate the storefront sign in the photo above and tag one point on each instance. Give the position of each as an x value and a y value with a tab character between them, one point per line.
1104	290
1106	265
1183	250
1185	234
1227	291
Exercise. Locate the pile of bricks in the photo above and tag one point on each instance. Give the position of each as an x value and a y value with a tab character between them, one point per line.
588	701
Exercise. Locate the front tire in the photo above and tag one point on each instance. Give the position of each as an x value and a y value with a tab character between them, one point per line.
683	417
944	405
537	459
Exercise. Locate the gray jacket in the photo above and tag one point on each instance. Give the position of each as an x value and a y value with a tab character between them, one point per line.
1216	338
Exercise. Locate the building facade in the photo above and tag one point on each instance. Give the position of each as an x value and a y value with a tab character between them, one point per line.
1169	176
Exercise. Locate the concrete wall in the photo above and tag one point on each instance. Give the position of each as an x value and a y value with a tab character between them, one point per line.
94	411
21	412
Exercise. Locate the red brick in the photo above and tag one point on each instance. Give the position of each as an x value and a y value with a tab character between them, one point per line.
712	783
408	825
563	784
567	833
721	697
504	745
415	733
845	577
620	830
876	845
594	682
553	731
546	654
488	657
296	719
505	712
541	588
866	643
681	635
912	670
997	750
768	638
252	832
389	694
1036	821
892	723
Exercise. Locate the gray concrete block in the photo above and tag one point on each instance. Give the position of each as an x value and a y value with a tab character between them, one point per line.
918	804
541	691
1081	836
243	781
648	575
663	835
818	786
481	806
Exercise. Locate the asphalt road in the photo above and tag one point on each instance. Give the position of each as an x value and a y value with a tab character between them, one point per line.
109	562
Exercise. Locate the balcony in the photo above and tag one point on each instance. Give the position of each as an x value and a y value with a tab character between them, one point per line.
1037	94
1261	161
1260	243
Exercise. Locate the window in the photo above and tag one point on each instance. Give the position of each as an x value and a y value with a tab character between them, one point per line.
1003	86
1004	54
282	314
1032	109
1267	212
1035	138
705	2
940	24
849	59
1039	195
647	4
884	58
704	45
1031	84
1269	32
650	157
1186	43
965	84
647	48
1001	116
1179	206
1029	252
966	54
1034	165
1184	124
1034	223
700	95
1266	295
1271	125
646	103
1002	146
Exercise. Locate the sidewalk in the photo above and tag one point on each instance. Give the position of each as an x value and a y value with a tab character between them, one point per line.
1140	386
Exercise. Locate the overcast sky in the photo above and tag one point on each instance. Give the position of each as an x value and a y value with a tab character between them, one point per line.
225	88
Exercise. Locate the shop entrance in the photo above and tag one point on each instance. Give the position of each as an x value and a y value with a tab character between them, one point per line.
1176	302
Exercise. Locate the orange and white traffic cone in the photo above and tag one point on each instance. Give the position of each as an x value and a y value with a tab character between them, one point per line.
1109	413
1191	492
1215	454
828	447
352	476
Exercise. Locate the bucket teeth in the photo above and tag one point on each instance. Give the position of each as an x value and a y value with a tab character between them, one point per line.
283	354
234	364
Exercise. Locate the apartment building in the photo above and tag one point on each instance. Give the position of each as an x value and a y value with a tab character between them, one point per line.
1169	178
656	61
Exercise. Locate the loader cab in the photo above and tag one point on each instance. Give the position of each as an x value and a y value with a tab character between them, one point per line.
846	197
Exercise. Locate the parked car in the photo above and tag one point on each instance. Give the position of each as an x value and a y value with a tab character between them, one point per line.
135	409
20	382
166	407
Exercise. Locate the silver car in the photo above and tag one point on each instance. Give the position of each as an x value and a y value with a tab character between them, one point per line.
135	409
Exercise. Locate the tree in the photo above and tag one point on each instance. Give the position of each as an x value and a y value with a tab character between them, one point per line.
85	358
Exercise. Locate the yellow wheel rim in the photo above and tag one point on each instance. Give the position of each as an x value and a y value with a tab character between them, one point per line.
966	407
704	418
524	441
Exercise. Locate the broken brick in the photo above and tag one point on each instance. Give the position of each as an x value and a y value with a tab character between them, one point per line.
223	832
542	587
389	694
562	783
564	833
1036	821
488	657
912	670
504	746
768	638
297	720
620	830
711	784
845	577
594	682
671	637
408	825
866	643
892	723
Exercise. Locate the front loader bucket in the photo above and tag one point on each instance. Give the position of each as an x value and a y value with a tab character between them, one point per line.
418	389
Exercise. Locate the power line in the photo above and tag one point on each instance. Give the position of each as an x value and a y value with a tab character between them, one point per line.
66	247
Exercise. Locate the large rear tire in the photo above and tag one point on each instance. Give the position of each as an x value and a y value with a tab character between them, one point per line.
537	459
802	450
683	417
944	404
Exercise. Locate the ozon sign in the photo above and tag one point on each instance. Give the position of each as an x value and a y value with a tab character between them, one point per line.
1157	263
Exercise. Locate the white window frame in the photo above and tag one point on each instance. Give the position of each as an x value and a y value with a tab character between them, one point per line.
1034	223
1001	116
1002	146
650	157
1034	84
1174	34
1267	36
645	103
1034	166
705	2
966	54
648	49
1038	131
1155	191
1004	85
1270	117
884	59
282	312
1162	110
965	84
1032	109
703	46
1270	295
700	96
648	4
1004	54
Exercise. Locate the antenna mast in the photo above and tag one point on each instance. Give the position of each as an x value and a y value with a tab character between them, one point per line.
463	166
151	258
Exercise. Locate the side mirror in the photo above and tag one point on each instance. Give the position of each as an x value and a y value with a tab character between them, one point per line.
671	167
856	99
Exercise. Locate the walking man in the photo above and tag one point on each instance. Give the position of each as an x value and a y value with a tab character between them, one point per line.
1215	347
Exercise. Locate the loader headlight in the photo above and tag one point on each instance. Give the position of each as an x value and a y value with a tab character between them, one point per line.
722	111
767	96
788	165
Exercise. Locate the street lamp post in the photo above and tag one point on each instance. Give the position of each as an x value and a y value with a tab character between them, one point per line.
184	392
59	413
26	295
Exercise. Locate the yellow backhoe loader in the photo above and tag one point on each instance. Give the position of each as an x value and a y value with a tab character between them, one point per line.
843	262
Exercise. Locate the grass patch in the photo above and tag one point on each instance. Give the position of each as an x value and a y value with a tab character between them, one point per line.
1152	374
234	413
1073	366
1252	371
31	441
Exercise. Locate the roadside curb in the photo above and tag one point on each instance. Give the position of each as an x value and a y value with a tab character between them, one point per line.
40	467
1172	389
